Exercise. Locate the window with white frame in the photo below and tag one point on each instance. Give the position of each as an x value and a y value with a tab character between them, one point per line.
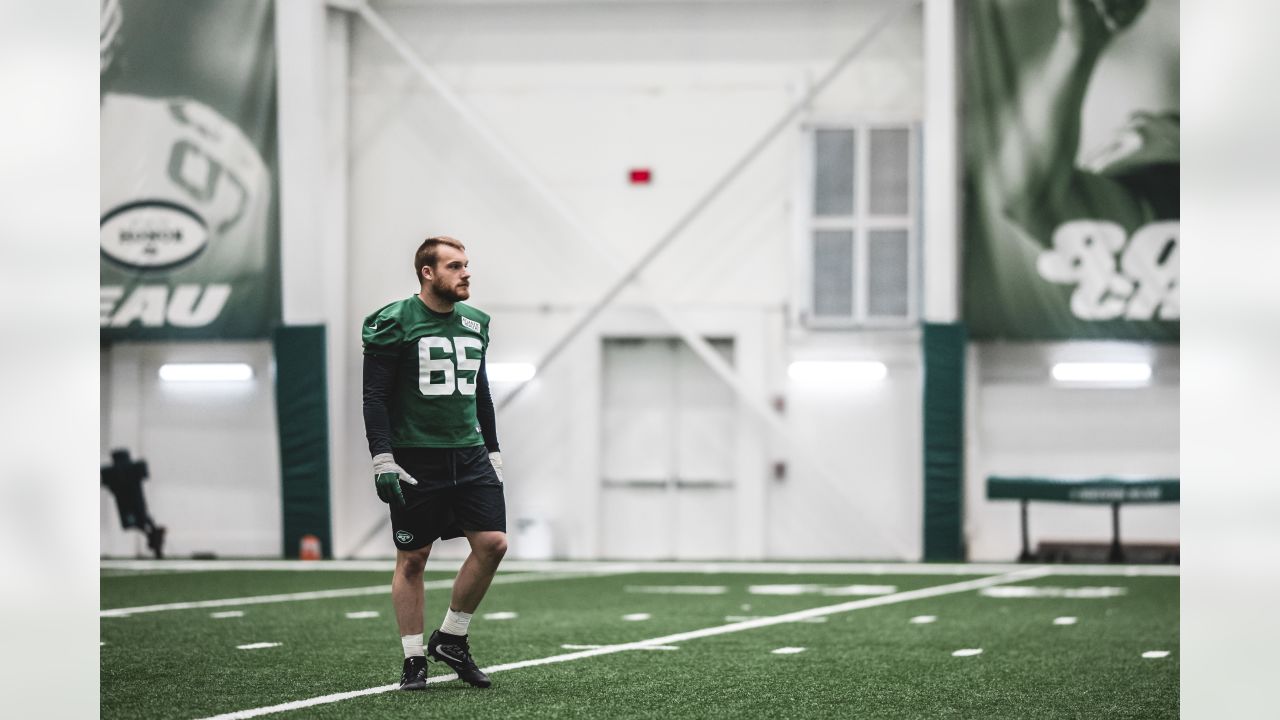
861	231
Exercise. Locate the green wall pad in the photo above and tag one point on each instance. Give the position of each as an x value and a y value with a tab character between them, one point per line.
944	356
302	416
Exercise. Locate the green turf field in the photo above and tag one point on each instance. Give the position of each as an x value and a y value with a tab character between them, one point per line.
862	656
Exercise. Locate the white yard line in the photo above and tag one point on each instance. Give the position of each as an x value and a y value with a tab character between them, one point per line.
384	589
1025	573
710	568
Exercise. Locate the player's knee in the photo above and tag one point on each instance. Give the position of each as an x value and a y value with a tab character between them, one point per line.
411	564
494	547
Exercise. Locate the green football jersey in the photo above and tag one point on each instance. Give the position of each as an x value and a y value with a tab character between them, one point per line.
437	361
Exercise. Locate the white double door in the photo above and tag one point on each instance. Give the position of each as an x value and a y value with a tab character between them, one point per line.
668	453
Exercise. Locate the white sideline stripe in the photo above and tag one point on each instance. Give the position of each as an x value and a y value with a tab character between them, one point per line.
787	651
258	646
384	589
967	652
1026	573
1066	620
1155	654
772	568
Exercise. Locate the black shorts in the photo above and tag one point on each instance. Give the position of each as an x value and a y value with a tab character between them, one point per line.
457	490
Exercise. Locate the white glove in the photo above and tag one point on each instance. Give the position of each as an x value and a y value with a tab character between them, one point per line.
387	476
495	459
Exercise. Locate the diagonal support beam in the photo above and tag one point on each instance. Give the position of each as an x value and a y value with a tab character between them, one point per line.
632	276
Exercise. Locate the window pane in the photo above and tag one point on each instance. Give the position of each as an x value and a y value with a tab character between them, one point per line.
833	273
888	275
890	158
833	172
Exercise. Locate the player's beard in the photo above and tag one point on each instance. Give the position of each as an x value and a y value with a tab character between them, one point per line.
452	293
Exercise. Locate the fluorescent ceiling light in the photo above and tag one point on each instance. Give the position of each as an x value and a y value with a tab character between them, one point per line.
206	372
510	372
1102	372
837	371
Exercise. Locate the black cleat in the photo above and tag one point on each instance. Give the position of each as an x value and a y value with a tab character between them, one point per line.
414	676
452	650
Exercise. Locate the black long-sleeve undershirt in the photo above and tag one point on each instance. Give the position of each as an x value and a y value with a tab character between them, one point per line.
485	414
379	383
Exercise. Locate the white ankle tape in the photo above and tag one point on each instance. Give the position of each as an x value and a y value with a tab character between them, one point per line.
455	623
412	645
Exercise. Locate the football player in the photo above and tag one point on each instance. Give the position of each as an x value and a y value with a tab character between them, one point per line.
429	419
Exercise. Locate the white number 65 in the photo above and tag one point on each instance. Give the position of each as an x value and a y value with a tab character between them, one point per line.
445	366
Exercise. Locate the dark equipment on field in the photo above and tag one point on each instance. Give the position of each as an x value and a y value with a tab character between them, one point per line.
123	477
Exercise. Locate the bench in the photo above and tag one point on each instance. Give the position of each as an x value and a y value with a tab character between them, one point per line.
1113	491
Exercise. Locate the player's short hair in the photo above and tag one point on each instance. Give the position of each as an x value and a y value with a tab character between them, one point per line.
428	253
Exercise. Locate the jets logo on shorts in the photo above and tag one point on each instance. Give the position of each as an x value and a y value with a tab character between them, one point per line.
470	324
404	536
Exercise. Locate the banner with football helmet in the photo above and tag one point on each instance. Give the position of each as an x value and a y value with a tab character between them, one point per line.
1071	163
189	219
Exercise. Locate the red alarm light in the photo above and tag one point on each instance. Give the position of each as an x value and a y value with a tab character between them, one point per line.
641	176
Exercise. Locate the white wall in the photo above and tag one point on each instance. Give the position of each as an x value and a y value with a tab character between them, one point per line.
1023	424
211	449
582	92
854	482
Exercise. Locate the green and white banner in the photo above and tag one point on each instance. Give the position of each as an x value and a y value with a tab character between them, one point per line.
189	224
1071	163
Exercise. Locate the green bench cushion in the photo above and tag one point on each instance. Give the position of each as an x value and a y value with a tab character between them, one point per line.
1084	490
